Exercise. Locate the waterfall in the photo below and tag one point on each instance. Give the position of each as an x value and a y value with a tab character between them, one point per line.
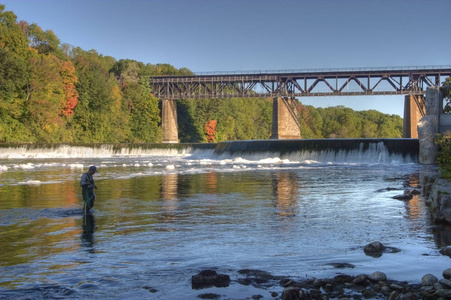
320	150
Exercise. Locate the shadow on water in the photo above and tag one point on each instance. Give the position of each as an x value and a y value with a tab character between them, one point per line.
87	235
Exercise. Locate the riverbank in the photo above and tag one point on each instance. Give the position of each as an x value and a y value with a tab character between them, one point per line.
363	286
437	191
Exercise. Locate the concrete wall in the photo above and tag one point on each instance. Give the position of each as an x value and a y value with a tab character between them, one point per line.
432	123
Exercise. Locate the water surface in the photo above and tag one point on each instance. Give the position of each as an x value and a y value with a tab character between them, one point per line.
160	218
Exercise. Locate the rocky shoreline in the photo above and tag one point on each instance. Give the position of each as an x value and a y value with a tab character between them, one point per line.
363	286
437	192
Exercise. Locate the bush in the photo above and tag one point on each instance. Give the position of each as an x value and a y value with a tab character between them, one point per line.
444	155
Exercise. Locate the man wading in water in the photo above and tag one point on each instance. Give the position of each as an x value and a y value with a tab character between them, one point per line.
88	186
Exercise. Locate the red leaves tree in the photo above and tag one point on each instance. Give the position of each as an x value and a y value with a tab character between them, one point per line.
210	130
69	80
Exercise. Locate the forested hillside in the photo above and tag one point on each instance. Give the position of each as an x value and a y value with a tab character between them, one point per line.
54	92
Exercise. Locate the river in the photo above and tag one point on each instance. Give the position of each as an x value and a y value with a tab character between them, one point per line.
163	215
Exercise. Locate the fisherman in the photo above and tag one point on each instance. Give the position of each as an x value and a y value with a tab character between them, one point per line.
88	186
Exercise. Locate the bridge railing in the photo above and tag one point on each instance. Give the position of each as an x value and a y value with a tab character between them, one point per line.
325	70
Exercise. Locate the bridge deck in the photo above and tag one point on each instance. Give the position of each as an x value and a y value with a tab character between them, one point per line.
326	82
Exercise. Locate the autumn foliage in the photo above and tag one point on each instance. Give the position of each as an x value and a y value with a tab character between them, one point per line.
210	130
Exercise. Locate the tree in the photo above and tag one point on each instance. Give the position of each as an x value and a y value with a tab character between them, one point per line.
11	36
210	130
46	97
447	96
96	114
45	42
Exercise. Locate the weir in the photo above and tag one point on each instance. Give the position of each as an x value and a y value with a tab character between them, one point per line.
402	147
349	150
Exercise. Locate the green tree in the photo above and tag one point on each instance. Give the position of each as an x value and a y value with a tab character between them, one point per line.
98	115
11	36
13	79
45	42
144	114
46	98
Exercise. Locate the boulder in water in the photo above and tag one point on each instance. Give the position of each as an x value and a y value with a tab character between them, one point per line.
209	278
374	248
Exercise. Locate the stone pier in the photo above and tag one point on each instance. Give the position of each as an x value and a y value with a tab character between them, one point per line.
169	121
285	119
429	126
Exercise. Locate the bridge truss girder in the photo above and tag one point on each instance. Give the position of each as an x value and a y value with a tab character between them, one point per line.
299	84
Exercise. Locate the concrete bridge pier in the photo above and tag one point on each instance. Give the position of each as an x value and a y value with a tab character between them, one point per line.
285	119
169	121
412	115
429	126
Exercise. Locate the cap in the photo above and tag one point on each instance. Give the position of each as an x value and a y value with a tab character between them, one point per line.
93	168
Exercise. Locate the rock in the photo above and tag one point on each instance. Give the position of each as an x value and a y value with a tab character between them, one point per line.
446	251
315	293
447	273
408	296
446	283
429	279
406	196
368	293
446	294
294	293
150	289
317	283
341	278
438	286
416	192
342	265
209	278
377	276
374	249
393	296
439	201
391	250
209	296
395	286
361	279
446	214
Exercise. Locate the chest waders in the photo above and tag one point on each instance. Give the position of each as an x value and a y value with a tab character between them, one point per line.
89	196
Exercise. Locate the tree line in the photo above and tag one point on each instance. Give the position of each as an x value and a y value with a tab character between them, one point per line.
51	92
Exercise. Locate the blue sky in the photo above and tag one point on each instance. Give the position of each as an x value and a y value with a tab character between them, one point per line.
232	35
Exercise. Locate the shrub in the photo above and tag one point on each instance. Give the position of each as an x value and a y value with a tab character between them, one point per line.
444	155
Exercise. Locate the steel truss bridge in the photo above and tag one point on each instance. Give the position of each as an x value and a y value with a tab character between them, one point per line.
302	83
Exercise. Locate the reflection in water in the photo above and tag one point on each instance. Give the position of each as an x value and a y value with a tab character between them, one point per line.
87	236
414	207
285	190
168	188
169	194
212	183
